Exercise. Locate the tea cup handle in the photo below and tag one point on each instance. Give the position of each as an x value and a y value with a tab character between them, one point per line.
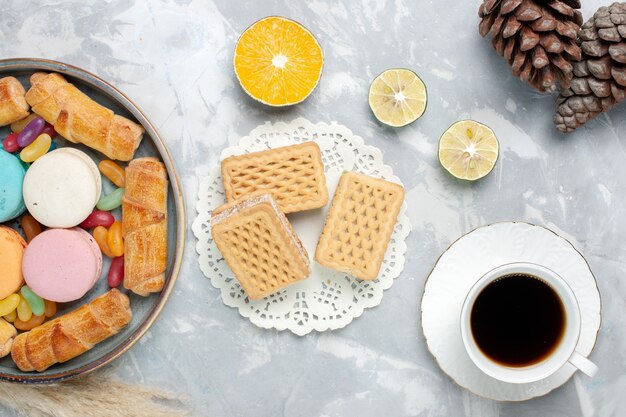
583	364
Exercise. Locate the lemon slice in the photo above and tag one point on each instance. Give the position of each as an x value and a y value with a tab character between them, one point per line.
398	97
278	61
468	150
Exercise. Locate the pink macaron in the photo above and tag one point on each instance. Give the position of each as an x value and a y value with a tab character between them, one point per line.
61	264
96	250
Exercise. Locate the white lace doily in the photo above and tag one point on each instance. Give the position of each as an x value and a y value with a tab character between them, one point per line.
327	299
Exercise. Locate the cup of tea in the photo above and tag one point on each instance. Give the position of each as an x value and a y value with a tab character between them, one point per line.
520	323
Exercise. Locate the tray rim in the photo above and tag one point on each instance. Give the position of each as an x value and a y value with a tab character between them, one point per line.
40	64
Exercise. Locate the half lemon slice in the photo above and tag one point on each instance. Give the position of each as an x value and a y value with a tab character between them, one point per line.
468	150
398	97
278	61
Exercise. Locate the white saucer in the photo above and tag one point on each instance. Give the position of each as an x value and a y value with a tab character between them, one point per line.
469	258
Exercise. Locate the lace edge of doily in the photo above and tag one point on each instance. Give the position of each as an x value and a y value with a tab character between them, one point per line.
402	247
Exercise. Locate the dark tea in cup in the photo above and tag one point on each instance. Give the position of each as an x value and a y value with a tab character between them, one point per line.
518	320
520	323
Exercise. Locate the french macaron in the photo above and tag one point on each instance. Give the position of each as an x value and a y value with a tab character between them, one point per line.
11	254
61	189
61	265
96	250
90	163
11	179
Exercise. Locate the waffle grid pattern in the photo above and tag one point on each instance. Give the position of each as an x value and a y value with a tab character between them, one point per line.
294	175
359	225
260	253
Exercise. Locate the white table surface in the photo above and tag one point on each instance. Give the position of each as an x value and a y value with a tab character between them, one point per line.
174	59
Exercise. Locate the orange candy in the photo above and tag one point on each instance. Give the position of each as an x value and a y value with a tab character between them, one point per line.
114	239
50	308
30	226
113	172
31	323
100	235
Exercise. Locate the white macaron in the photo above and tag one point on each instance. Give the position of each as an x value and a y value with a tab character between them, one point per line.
90	163
61	188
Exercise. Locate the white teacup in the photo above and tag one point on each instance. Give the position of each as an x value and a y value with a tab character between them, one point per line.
564	352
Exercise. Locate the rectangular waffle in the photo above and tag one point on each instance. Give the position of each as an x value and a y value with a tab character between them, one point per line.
294	175
359	225
259	245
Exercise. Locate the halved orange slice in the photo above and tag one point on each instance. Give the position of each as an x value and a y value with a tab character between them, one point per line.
278	62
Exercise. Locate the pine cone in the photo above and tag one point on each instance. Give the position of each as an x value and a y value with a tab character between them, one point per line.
537	38
600	78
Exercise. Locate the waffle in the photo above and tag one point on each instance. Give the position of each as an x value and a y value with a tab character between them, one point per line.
359	225
294	175
259	245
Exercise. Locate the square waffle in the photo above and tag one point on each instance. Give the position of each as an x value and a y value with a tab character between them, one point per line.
294	175
259	245
359	225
